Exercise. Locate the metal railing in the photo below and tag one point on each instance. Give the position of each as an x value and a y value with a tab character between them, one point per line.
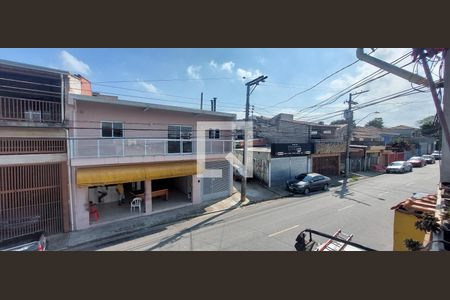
19	109
28	145
125	147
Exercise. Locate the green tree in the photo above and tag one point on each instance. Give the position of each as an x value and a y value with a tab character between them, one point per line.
429	126
377	122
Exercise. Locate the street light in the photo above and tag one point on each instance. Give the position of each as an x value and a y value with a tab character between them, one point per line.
375	112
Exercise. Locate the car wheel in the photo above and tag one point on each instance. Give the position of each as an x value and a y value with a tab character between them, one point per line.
325	187
306	191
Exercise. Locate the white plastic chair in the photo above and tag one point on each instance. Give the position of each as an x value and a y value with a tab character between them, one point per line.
136	203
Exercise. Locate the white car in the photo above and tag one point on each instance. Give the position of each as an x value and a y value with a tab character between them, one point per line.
399	167
436	154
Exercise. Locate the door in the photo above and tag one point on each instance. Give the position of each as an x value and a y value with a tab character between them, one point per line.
317	183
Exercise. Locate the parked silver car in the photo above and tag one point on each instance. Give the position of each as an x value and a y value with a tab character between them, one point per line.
429	159
399	167
436	154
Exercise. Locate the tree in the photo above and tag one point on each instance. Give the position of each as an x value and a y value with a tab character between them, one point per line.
377	122
429	126
400	145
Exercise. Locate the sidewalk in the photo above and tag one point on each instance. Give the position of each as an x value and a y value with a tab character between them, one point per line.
120	229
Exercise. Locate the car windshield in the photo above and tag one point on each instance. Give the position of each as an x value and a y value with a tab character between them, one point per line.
427	156
307	178
300	176
397	163
415	158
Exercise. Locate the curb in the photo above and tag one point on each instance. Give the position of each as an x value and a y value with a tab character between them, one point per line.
135	232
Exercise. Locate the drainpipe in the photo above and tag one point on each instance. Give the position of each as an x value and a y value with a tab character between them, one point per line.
69	154
411	77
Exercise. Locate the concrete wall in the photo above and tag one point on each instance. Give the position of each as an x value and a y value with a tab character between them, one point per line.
137	122
329	148
183	184
281	131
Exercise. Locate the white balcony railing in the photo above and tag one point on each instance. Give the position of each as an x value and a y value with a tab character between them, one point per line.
117	147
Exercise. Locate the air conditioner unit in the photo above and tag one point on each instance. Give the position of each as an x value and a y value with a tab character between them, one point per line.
33	116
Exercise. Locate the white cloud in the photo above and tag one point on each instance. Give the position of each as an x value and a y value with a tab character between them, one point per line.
228	66
213	64
193	71
149	87
72	64
392	111
248	74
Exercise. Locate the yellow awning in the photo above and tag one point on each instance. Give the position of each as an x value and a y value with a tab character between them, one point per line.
133	173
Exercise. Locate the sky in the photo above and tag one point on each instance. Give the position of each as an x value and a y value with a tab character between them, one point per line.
178	76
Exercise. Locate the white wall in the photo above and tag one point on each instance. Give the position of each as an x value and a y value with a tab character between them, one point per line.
112	195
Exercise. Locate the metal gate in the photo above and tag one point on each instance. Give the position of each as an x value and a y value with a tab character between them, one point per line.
30	199
326	165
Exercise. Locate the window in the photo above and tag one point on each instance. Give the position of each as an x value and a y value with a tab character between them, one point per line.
214	134
179	139
327	132
112	129
314	132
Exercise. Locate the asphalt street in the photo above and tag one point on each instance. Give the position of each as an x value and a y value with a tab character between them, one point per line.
273	225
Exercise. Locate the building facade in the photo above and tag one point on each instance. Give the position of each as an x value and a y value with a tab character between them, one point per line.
34	193
123	150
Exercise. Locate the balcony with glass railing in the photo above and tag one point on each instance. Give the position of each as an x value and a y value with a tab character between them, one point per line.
134	147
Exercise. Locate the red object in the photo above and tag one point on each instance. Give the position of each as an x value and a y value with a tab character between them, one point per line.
430	52
94	212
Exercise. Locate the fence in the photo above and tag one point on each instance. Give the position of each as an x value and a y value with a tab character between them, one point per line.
10	145
20	109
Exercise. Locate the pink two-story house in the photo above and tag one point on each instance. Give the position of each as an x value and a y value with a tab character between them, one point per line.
122	150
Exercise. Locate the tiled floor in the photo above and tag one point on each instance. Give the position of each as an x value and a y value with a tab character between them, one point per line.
109	212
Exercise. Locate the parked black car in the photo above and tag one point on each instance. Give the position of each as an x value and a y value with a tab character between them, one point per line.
308	182
31	242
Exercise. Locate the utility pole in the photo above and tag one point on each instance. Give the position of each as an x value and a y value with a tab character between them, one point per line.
249	85
349	117
201	101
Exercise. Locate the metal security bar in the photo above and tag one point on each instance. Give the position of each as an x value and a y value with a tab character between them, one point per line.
11	145
20	109
30	200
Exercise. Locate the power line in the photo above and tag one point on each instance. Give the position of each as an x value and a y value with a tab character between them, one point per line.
167	80
369	78
318	83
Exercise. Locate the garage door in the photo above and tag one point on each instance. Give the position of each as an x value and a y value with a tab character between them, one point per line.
283	169
326	165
